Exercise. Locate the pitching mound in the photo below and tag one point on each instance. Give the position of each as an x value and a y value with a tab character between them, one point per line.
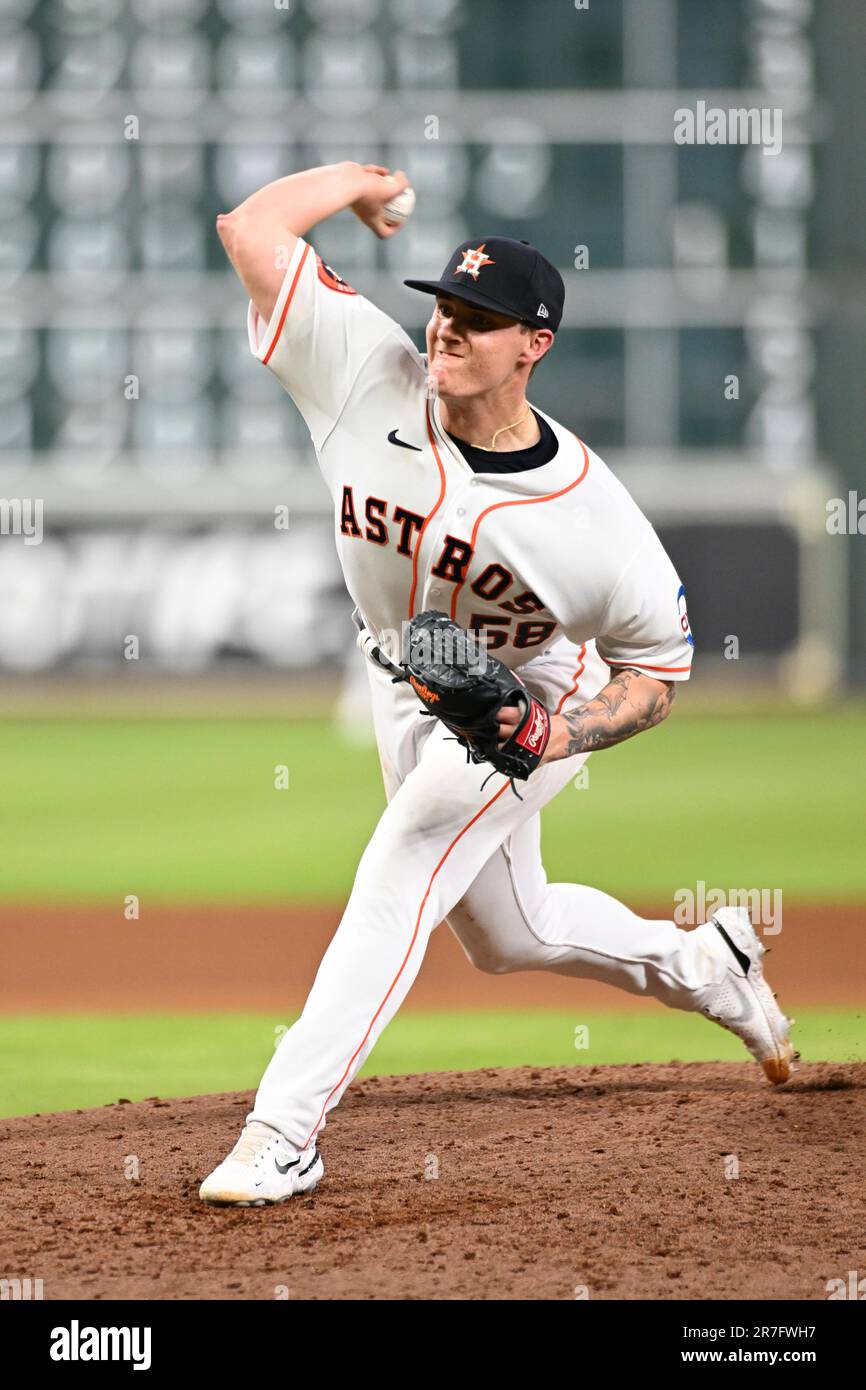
681	1181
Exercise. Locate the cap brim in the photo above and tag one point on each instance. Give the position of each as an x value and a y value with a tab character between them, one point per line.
461	292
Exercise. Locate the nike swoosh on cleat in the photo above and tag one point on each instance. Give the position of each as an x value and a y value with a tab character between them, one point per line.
281	1169
392	439
741	956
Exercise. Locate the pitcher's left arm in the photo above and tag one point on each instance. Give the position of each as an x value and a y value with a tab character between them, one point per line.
630	703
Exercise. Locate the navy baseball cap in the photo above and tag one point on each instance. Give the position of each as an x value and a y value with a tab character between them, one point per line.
499	273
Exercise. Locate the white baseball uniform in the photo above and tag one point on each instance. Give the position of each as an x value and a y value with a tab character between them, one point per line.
562	569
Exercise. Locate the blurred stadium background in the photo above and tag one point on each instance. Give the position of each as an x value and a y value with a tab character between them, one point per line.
712	352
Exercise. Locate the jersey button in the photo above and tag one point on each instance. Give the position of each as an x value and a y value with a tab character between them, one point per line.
461	511
434	593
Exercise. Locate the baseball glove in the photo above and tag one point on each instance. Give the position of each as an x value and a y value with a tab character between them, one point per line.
457	680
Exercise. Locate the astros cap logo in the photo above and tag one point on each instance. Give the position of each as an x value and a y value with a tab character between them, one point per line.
473	259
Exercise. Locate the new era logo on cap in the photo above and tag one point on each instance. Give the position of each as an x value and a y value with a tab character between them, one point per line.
511	277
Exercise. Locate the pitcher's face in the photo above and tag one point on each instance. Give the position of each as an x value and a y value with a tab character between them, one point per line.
471	350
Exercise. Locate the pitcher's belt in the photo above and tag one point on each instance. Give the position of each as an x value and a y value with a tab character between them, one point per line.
368	643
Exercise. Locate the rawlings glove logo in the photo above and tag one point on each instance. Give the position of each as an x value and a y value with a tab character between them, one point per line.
534	734
426	694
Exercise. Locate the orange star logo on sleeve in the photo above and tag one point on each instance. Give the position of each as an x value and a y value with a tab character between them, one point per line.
473	260
329	277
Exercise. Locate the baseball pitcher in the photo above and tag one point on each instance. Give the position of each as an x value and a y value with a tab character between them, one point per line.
462	511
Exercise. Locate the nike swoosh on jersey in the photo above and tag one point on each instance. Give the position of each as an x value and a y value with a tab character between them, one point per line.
392	439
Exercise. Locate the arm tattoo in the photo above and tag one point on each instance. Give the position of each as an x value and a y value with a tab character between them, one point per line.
631	703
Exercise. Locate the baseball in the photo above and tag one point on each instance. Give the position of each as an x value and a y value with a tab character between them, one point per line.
400	208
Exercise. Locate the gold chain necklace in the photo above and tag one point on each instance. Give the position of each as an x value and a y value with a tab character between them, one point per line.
492	448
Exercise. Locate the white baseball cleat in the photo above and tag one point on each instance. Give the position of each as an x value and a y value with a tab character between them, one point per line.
262	1168
744	1002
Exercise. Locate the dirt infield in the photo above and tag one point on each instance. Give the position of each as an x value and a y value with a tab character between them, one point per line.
210	958
504	1184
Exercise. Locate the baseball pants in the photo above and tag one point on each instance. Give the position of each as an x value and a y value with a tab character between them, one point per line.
448	848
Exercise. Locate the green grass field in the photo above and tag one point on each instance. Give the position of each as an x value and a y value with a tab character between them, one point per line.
63	1061
184	810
